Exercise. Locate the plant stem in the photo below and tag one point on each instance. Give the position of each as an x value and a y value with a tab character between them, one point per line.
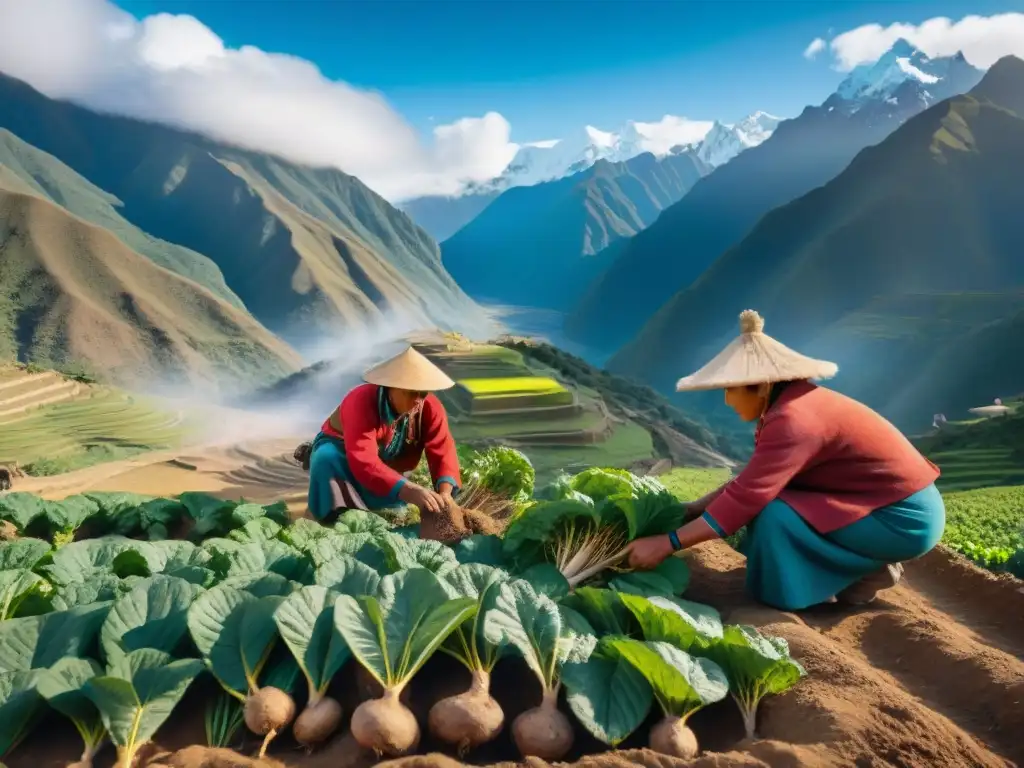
481	681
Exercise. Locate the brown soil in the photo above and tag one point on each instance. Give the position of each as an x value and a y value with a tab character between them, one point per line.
930	674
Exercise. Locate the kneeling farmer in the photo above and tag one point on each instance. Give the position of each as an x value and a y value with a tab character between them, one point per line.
834	496
381	430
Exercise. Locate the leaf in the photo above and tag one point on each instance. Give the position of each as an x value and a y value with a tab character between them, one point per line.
539	523
755	664
153	615
682	623
63	687
19	707
394	632
603	608
259	557
15	587
139	694
100	586
36	642
599	484
81	560
256	530
531	623
22	553
234	631
306	622
346	575
21	508
261	584
210	513
361	521
669	578
650	514
401	553
480	548
608	695
480	583
682	684
67	515
546	579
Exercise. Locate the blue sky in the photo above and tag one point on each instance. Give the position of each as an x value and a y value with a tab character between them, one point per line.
550	67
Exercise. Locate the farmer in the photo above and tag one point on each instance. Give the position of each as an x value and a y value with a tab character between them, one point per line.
380	431
834	497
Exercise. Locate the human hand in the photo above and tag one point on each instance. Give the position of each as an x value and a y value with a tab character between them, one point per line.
424	498
648	552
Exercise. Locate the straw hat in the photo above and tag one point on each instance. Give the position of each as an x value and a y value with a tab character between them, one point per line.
408	370
754	358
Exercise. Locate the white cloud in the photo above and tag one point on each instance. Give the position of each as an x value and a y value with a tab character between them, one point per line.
173	69
671	131
816	46
982	39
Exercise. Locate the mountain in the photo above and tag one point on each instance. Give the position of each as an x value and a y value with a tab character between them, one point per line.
47	177
542	161
308	251
723	142
550	233
72	292
802	154
905	269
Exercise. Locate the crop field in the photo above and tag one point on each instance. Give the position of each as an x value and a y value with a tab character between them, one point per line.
505	386
987	526
98	425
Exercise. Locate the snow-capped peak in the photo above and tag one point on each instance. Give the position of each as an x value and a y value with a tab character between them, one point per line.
723	142
901	63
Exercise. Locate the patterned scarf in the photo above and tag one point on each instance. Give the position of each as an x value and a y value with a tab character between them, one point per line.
406	426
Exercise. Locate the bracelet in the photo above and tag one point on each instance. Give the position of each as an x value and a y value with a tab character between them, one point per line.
673	537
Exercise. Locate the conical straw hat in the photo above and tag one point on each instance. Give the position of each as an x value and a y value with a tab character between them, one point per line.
754	358
409	370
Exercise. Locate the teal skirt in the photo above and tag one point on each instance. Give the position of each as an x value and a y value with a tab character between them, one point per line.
328	462
791	566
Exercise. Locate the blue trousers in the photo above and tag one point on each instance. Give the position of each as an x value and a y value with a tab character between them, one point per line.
329	462
791	566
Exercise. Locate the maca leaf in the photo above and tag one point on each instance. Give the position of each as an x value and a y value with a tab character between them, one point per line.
37	642
20	705
468	643
80	560
756	665
539	523
561	489
22	553
603	609
393	633
608	695
181	559
682	683
256	530
650	514
347	576
361	521
211	514
235	632
669	578
546	579
682	623
261	584
261	557
69	514
153	615
21	508
480	548
401	553
63	687
15	587
305	621
600	483
532	624
98	587
138	694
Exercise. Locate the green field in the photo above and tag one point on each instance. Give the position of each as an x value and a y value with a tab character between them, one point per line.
987	525
105	425
626	445
517	385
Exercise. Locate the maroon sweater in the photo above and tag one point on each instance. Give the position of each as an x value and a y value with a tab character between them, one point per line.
830	458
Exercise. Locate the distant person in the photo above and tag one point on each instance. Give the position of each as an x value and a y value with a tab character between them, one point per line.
380	431
834	497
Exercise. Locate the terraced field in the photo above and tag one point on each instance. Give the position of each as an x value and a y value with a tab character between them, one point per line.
51	424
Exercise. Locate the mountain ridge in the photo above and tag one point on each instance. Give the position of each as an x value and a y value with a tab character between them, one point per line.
802	154
904	259
552	232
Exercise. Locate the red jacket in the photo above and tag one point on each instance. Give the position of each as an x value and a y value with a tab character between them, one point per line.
365	433
829	457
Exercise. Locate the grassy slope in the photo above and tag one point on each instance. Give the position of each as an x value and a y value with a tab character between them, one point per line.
553	231
72	291
305	249
99	424
801	155
887	269
48	177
